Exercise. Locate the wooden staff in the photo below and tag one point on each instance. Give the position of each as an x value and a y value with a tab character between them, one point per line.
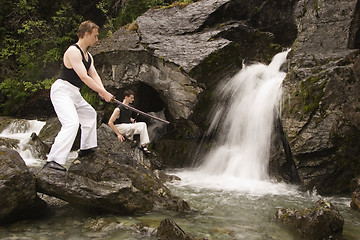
141	112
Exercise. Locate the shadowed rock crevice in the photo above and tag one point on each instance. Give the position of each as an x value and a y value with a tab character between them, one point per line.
354	36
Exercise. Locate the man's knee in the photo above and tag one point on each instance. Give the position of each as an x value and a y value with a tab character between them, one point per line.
142	124
72	126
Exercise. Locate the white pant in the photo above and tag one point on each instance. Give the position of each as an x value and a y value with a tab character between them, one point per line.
129	129
72	110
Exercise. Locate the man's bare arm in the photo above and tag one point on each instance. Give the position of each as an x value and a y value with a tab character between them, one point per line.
115	115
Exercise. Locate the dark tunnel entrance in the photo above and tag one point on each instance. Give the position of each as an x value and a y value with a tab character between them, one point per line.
147	99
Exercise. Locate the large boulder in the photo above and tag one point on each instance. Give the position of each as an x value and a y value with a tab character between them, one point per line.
99	183
320	114
322	221
116	179
19	199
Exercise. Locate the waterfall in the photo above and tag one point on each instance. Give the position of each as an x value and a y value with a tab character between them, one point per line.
243	122
21	131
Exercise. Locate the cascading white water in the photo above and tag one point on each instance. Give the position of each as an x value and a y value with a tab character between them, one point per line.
243	122
246	121
21	130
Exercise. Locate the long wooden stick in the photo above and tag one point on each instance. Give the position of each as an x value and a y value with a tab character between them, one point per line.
141	112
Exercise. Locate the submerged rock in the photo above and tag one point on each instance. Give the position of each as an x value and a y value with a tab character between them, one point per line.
322	221
17	189
168	229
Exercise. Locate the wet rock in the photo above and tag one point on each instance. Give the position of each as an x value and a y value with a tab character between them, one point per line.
17	189
96	182
355	196
168	229
166	177
322	221
37	147
9	143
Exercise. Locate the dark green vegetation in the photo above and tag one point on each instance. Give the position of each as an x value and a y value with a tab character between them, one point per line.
35	33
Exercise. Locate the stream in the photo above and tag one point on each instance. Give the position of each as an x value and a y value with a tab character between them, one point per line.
219	214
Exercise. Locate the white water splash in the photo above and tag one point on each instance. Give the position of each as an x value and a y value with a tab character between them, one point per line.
21	130
243	122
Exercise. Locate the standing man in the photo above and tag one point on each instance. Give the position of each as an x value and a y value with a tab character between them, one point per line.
70	107
124	126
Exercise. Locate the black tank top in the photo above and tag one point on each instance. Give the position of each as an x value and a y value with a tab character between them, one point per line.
125	115
70	75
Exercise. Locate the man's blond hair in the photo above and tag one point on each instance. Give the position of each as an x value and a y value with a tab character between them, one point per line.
86	26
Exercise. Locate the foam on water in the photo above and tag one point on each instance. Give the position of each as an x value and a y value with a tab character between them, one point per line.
21	130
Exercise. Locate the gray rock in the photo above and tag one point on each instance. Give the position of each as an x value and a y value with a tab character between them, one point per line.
113	179
320	106
322	221
17	189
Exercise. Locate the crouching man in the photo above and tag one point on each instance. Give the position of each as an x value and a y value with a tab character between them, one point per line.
125	127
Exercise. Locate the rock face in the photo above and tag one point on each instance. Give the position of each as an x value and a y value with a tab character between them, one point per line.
321	116
176	50
17	189
181	53
322	221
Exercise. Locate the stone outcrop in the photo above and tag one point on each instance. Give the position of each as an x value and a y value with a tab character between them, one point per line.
118	178
101	184
321	117
17	189
322	221
115	179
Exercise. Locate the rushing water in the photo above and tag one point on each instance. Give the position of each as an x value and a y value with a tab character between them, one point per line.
21	130
243	122
231	192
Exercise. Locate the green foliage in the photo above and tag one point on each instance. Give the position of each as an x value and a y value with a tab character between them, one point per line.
34	35
32	43
135	8
312	91
109	27
92	97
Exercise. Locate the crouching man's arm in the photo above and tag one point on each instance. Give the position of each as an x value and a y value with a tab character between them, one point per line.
115	115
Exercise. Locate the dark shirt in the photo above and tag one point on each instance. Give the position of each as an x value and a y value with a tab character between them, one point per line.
70	75
125	115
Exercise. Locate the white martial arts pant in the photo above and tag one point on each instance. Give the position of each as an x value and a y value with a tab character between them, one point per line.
129	129
72	110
